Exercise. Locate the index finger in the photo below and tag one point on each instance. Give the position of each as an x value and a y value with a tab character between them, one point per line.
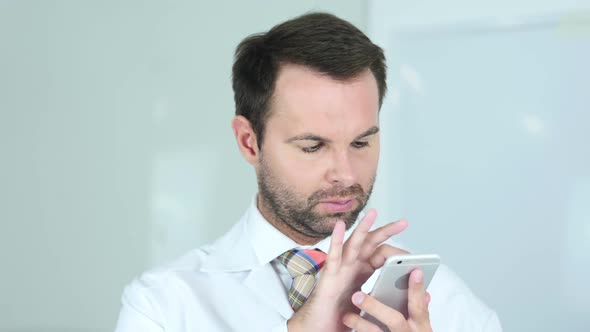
380	235
355	242
335	251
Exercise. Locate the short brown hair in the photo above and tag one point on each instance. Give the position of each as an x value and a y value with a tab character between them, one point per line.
320	41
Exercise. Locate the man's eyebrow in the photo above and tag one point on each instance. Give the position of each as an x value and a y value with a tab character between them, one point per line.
308	137
369	132
312	137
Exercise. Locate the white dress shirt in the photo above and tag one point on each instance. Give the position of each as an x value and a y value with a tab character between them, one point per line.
237	284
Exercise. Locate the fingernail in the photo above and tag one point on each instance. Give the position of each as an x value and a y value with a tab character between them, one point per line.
358	298
417	275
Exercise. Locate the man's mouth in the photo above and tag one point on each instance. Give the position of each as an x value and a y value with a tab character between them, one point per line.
337	205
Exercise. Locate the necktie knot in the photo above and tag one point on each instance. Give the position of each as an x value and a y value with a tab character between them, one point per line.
302	265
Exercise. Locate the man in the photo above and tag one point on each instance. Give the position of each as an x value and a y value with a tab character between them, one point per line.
307	94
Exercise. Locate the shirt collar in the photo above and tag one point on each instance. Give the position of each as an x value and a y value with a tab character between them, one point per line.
252	242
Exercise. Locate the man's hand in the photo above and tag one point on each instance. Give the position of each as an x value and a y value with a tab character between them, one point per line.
418	320
347	267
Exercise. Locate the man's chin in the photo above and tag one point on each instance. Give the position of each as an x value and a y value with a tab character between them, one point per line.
330	220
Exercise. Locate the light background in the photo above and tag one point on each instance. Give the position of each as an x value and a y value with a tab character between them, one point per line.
486	151
117	153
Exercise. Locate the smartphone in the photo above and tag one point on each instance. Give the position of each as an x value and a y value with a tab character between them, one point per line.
391	287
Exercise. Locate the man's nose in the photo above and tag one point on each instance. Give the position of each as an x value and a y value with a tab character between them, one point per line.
341	170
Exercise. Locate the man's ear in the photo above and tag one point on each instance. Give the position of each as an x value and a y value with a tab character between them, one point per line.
246	139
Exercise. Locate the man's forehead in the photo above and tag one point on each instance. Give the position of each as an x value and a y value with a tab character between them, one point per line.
309	102
323	122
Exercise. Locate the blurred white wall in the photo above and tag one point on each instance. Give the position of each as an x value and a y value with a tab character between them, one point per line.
116	146
116	154
485	137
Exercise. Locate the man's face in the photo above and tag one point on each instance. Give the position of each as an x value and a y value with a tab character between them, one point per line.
320	151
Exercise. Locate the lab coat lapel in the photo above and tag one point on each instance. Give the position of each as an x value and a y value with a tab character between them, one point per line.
268	287
233	252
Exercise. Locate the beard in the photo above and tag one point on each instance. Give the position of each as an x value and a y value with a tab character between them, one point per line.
298	212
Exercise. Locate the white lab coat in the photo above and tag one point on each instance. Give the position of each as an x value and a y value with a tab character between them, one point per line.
232	285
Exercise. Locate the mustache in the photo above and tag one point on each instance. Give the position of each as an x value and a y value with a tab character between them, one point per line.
337	192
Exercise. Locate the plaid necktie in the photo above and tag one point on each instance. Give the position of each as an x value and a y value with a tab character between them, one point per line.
302	266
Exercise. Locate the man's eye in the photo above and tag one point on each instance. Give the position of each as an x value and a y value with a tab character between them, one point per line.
359	145
312	149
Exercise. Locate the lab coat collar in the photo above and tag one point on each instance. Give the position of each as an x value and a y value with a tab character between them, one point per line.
251	243
249	247
232	252
235	252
